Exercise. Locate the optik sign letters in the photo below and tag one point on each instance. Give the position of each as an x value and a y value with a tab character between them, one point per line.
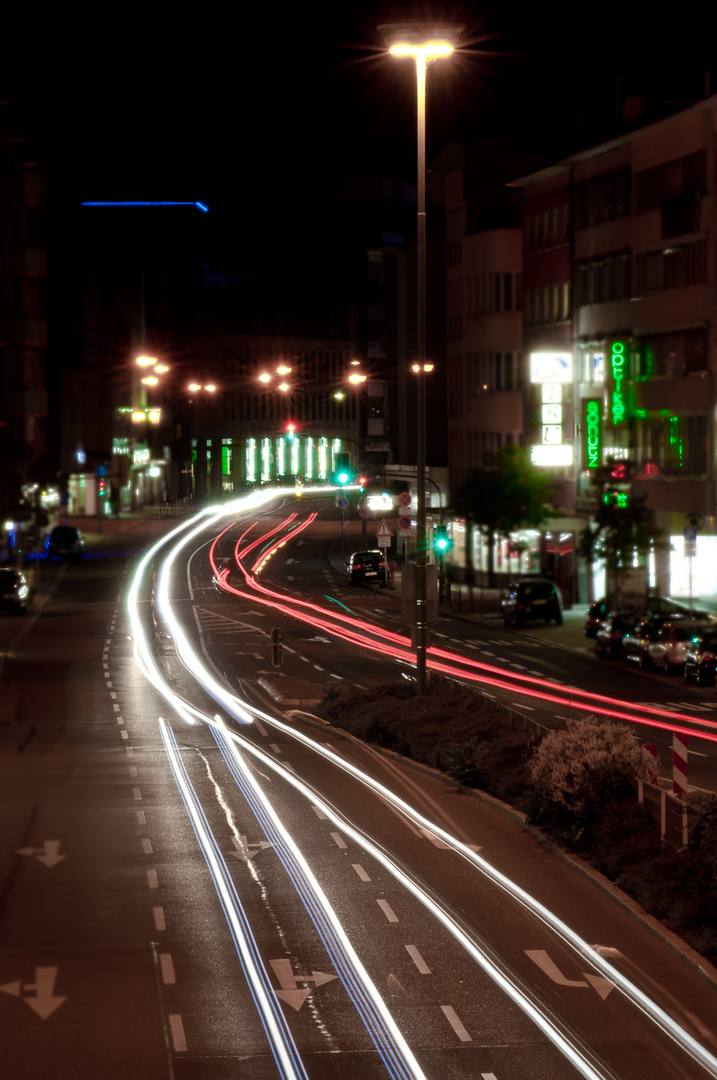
618	410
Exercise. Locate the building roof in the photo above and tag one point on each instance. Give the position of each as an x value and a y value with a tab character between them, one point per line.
611	144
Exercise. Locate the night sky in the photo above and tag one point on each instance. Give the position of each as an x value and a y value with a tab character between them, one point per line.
235	103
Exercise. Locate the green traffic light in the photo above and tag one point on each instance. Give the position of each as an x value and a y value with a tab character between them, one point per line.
343	478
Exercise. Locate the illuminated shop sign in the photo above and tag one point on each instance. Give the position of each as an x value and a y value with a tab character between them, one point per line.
550	367
593	433
618	410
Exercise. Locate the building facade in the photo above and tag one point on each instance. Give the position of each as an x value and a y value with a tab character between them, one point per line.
620	270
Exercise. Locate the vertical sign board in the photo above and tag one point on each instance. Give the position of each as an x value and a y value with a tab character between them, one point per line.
618	409
592	428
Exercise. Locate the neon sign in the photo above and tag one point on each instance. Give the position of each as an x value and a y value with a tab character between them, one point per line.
593	440
618	409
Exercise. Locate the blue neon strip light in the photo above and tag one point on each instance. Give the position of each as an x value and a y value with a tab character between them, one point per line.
199	205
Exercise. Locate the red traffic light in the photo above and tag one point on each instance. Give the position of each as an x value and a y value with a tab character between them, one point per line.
290	429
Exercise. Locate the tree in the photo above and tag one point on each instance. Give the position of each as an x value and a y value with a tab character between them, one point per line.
622	526
506	494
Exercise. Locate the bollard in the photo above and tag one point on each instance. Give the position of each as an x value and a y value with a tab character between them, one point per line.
679	764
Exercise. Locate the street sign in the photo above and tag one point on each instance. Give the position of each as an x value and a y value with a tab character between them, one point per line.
404	524
383	535
404	499
342	502
365	512
690	542
101	470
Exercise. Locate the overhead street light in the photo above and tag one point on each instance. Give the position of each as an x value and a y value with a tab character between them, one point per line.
425	42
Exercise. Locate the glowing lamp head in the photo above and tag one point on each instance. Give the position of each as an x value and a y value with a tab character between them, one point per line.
422	40
355	379
210	388
150	380
146	361
283	369
194	387
265	377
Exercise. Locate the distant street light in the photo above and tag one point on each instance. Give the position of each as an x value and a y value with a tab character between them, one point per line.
425	42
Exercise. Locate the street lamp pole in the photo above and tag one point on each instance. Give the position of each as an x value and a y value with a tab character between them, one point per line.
425	43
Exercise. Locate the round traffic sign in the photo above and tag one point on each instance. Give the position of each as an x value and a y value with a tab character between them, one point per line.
404	499
101	470
342	502
404	523
365	512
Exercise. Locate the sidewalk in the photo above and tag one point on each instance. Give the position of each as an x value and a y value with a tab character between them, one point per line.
482	606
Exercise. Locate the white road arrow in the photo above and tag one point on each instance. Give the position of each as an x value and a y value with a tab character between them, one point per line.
243	849
601	985
44	1002
49	855
288	982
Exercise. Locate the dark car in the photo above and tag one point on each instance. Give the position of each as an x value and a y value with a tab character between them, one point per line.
595	614
367	566
701	657
14	590
66	542
635	643
530	599
608	640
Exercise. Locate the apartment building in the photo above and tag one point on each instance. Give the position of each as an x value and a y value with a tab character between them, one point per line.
628	227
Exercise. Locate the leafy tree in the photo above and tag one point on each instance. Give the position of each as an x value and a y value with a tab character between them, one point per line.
619	528
505	494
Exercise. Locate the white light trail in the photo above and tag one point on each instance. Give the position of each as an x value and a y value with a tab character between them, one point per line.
244	713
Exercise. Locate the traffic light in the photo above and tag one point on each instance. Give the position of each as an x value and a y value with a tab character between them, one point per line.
441	541
343	473
615	498
290	430
362	481
102	487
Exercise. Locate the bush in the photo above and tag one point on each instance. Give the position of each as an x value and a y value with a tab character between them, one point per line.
580	771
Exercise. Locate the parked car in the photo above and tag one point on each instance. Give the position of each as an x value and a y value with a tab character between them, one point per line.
65	541
636	640
14	590
367	566
612	630
701	657
529	599
669	648
596	614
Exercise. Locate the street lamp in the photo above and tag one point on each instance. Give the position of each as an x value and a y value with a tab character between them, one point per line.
425	42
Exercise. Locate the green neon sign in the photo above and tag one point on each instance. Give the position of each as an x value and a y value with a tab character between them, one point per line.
618	408
593	433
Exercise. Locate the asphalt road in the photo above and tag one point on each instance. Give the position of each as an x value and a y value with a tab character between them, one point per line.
185	900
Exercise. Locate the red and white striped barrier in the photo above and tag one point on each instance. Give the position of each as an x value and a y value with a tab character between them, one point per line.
679	764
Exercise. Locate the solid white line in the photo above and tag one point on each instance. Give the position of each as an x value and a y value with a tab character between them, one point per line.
338	839
152	879
159	922
387	910
418	960
360	871
452	1018
168	976
177	1029
147	846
